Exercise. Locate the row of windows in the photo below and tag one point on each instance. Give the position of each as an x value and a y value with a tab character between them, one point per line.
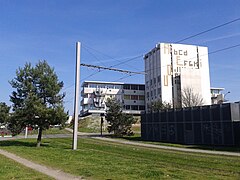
154	81
134	87
134	107
154	92
134	97
116	86
107	86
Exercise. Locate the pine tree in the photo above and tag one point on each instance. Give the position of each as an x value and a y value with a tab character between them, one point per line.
119	123
4	112
37	100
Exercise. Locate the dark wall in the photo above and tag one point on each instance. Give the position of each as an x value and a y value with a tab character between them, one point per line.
208	125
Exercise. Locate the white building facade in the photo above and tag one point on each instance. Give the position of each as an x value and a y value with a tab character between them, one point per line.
95	94
171	68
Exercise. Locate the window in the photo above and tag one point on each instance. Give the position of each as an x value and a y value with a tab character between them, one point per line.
126	86
127	97
117	87
141	87
134	97
141	107
147	94
134	87
141	97
147	84
93	86
154	80
110	86
134	107
127	107
159	79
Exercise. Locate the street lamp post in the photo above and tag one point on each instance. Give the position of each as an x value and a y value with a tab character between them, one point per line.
225	96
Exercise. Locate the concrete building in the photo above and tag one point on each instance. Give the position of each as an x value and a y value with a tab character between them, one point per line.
171	68
95	93
216	95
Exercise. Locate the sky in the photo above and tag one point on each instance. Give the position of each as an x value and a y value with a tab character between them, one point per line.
111	32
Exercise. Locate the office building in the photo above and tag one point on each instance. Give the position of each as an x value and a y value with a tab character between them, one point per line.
95	94
172	68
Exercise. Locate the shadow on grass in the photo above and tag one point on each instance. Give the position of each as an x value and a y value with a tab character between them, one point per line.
20	143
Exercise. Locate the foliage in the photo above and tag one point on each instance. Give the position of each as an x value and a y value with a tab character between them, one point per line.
119	123
190	98
159	106
4	112
37	101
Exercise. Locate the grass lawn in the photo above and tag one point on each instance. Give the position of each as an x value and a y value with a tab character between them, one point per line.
96	159
137	138
10	169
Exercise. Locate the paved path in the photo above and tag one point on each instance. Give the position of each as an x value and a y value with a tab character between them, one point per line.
169	147
57	174
96	136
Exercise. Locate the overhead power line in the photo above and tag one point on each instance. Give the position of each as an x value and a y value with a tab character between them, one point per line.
208	30
94	56
111	69
106	56
131	59
189	37
224	49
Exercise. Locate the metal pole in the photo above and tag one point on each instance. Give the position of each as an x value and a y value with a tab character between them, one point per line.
26	132
76	101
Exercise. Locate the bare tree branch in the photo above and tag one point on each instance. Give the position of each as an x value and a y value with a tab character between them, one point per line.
190	98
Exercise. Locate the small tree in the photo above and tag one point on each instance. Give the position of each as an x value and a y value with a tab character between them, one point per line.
190	98
119	123
159	106
37	100
4	112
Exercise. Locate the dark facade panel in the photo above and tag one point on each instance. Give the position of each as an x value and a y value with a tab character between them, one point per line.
209	125
226	112
197	133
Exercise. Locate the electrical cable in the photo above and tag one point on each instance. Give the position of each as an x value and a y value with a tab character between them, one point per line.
208	30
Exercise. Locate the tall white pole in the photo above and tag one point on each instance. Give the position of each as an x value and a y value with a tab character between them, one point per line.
76	101
26	132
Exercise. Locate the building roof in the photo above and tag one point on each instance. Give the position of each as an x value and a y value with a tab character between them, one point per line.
105	82
215	88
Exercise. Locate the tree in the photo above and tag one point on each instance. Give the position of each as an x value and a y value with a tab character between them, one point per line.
190	98
4	112
159	105
119	123
37	100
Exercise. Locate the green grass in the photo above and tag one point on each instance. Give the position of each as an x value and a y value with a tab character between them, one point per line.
10	169
96	159
137	138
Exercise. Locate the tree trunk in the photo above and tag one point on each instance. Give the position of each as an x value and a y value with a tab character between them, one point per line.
39	139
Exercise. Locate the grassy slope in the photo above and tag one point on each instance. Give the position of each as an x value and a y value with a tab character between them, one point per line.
137	138
9	169
104	160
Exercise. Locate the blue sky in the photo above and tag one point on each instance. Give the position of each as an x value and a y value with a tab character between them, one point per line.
112	31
